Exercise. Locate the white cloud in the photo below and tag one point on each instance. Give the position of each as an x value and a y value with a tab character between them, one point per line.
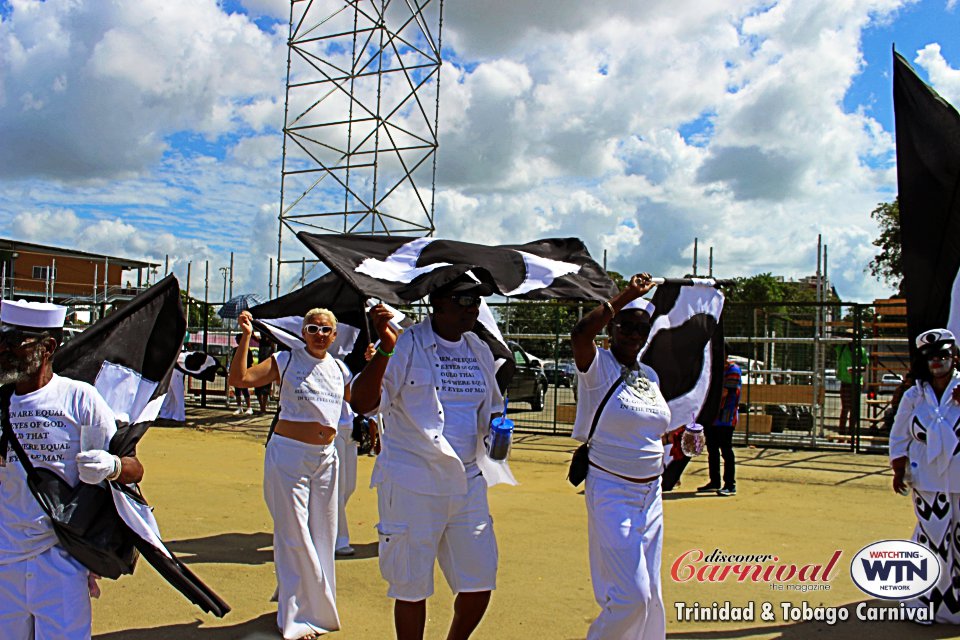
636	126
92	89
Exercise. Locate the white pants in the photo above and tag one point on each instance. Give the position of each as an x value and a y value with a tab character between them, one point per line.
346	483
416	531
44	598
938	527
626	542
300	487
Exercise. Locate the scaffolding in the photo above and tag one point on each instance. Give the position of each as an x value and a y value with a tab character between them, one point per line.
360	120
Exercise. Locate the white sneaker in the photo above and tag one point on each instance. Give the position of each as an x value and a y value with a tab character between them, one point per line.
249	412
238	412
346	550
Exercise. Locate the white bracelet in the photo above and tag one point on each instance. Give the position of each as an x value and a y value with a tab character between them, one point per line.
609	307
117	469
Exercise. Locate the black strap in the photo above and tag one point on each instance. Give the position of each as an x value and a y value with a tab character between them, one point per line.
603	403
276	416
10	437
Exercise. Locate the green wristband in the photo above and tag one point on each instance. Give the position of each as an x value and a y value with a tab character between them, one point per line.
384	353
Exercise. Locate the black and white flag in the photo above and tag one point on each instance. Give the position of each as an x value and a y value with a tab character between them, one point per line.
928	179
685	348
129	356
282	318
402	269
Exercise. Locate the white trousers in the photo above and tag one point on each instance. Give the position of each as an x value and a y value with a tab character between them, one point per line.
44	598
625	522
346	483
938	528
300	488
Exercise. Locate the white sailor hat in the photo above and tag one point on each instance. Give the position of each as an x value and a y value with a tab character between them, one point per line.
935	340
32	315
640	303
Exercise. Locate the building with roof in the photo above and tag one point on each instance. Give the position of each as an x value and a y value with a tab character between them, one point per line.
66	276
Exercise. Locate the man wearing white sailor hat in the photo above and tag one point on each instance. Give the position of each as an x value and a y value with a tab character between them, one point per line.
65	426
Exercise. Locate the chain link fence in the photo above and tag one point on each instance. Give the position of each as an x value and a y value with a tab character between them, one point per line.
816	376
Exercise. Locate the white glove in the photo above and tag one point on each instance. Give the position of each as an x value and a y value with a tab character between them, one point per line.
97	465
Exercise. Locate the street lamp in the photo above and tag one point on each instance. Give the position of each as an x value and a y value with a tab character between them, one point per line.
224	271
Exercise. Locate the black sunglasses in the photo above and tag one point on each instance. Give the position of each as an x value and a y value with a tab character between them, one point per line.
314	329
640	328
940	355
17	339
467	301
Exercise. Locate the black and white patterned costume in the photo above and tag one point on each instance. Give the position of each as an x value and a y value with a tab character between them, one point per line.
927	431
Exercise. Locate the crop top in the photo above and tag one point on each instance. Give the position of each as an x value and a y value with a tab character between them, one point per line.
312	388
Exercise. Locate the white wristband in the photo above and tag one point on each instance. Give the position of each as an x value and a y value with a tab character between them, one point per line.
117	469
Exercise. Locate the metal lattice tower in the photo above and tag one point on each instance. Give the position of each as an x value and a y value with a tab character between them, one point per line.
360	123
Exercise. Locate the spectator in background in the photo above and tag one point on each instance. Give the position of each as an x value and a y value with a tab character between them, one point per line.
720	433
237	391
267	348
845	366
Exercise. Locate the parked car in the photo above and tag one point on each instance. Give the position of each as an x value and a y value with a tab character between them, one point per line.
889	382
561	374
529	383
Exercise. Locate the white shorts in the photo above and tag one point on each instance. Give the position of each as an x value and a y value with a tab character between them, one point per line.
45	598
416	530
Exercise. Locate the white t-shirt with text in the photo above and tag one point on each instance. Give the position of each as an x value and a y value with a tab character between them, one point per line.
462	392
53	424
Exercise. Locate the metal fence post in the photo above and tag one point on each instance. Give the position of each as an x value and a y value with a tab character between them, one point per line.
206	329
857	378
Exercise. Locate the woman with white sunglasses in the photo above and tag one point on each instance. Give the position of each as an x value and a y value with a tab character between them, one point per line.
300	470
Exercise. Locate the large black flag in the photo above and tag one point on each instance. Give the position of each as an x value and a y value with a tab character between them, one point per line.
685	348
401	269
282	317
928	179
128	356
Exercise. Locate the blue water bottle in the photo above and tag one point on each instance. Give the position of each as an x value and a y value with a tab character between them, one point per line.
501	434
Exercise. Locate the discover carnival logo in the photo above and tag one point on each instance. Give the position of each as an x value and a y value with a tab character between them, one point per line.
895	569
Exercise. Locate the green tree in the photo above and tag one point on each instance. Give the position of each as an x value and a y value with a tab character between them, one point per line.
195	313
887	265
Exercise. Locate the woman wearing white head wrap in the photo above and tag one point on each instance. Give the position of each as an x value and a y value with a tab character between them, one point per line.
626	458
923	448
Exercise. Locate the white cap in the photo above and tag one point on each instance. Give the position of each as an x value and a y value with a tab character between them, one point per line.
37	315
642	304
932	338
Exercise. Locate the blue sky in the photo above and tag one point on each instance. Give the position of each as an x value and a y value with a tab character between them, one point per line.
152	129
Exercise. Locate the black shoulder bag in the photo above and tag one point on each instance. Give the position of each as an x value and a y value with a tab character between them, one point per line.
581	457
84	517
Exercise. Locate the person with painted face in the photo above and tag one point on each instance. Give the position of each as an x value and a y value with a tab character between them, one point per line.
65	426
300	470
923	455
621	397
436	389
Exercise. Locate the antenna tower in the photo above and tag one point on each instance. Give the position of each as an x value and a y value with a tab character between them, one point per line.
360	120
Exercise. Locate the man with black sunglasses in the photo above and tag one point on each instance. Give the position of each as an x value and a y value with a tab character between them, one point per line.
437	391
65	426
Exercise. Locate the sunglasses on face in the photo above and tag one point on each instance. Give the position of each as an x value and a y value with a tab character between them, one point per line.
467	301
314	329
939	356
641	328
19	339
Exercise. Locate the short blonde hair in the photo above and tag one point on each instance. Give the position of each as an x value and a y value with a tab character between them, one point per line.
316	312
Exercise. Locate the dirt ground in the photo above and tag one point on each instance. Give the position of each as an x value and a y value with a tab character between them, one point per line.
204	481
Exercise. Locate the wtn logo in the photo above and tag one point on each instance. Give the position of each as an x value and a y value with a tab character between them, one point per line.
903	570
895	569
